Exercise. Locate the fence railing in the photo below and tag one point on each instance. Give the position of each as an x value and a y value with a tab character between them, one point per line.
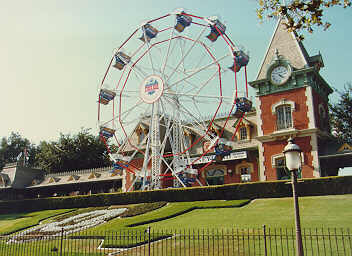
261	241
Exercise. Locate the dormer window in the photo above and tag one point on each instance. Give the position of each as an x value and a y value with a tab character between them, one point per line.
142	132
243	133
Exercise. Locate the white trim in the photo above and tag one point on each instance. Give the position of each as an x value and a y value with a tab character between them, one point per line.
283	102
274	157
261	165
267	50
124	176
258	116
314	153
310	112
299	48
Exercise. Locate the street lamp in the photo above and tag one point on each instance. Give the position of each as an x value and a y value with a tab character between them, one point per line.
292	154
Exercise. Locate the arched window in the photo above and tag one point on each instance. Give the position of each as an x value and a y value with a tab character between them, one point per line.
283	117
283	111
215	177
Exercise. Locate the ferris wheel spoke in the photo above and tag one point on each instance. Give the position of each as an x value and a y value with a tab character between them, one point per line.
187	112
150	57
197	71
167	54
205	83
184	56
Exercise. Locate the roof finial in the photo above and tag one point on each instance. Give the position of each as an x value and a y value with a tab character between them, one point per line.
276	56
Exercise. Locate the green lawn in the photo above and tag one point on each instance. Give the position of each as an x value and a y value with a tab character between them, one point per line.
171	209
319	211
10	223
322	211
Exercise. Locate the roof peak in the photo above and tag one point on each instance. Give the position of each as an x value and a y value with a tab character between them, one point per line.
287	45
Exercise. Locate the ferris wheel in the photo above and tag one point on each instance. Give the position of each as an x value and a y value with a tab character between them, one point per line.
174	75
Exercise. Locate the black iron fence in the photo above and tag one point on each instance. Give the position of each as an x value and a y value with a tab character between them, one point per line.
261	241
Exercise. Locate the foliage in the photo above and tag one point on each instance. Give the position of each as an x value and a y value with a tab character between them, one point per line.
138	209
301	14
268	189
341	115
72	152
11	147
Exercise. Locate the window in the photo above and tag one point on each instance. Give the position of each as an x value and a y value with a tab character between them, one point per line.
283	117
245	173
243	133
281	171
215	177
141	137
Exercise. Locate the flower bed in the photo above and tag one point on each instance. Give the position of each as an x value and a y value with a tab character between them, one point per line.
68	225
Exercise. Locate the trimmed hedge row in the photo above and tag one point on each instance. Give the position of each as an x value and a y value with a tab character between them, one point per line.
267	189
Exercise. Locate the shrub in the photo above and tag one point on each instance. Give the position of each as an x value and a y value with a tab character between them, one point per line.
267	189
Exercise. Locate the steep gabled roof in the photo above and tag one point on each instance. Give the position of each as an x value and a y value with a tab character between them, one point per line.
287	45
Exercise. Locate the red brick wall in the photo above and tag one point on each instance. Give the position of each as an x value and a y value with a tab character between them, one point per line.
317	100
276	147
299	116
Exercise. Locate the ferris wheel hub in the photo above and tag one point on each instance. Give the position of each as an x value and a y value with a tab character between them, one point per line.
151	89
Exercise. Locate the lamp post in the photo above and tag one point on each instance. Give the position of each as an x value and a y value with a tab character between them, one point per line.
292	154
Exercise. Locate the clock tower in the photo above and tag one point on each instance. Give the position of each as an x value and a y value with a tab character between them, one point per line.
291	101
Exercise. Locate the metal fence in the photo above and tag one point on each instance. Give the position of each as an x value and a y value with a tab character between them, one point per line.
261	241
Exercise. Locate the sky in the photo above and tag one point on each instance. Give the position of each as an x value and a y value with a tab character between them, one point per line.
53	54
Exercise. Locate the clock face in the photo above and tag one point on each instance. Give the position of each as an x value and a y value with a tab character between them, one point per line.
279	75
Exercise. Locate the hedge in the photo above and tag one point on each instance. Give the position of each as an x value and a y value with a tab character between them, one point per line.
267	189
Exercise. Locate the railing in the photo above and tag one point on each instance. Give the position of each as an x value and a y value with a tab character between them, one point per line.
261	241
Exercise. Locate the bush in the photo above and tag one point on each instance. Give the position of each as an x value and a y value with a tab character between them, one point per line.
310	187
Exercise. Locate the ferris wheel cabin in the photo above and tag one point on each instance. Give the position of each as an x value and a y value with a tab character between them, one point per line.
149	32
243	105
183	21
106	132
240	60
215	30
105	96
121	60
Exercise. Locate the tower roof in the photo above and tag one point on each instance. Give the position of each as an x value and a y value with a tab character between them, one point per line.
288	45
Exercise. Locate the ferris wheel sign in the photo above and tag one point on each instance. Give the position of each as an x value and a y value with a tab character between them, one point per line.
151	89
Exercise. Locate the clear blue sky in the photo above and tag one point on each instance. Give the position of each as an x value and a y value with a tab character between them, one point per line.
53	54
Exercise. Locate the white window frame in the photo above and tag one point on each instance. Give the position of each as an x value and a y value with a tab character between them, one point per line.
280	103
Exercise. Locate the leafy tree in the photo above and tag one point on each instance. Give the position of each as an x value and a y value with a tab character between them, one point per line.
72	152
301	14
341	115
11	147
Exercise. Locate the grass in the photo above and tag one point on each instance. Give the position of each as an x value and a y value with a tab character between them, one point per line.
10	223
169	211
319	211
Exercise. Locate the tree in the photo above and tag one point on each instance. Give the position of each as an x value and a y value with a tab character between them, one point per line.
13	146
301	14
73	152
341	115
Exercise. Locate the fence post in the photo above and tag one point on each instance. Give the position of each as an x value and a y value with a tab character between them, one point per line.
265	249
61	240
148	230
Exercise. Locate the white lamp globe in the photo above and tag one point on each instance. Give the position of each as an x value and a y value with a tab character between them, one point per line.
292	154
